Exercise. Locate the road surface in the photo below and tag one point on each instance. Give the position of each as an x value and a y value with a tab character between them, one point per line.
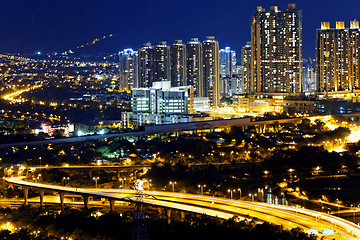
287	216
156	129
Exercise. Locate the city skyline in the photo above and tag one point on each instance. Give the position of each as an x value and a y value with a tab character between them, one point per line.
43	27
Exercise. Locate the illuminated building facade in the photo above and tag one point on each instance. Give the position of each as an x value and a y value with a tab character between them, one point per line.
128	69
309	79
337	57
230	86
161	103
227	62
146	65
229	81
211	71
161	98
246	78
162	62
194	66
178	63
276	50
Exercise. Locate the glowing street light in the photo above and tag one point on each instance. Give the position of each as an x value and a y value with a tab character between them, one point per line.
252	196
173	186
201	188
64	180
231	192
96	179
122	182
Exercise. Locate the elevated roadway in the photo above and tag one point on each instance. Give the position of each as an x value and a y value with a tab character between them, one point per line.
287	216
92	167
157	129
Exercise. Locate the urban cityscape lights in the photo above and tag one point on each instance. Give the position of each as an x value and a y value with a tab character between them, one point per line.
253	130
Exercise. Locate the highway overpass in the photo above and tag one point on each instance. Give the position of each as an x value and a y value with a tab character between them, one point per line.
287	216
92	167
157	129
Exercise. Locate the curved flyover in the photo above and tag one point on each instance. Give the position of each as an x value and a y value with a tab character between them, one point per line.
289	217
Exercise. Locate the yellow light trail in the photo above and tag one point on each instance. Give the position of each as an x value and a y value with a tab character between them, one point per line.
12	96
287	216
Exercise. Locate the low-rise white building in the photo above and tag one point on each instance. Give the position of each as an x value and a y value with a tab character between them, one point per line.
160	104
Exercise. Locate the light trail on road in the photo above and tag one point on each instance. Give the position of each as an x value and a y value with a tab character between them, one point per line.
287	216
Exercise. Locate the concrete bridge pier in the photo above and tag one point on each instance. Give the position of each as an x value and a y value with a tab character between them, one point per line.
260	128
168	215
90	173
182	215
86	201
112	205
160	211
26	194
62	200
41	192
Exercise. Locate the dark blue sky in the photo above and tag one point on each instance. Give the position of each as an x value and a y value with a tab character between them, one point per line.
47	25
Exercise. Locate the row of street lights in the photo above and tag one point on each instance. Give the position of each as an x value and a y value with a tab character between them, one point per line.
231	191
37	179
173	185
96	180
65	180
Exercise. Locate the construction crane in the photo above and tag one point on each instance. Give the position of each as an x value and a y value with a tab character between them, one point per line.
311	61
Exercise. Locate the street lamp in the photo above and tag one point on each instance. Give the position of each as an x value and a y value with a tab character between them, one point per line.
252	196
201	188
231	192
338	205
303	198
239	189
354	212
64	180
122	182
173	186
96	179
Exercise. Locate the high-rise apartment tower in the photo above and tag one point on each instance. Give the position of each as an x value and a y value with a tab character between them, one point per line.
146	65
128	69
211	82
194	66
162	62
338	57
246	79
276	47
178	63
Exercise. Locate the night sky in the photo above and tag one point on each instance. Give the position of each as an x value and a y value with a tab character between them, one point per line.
28	26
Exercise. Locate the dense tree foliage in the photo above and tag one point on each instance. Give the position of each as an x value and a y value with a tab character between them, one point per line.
84	225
